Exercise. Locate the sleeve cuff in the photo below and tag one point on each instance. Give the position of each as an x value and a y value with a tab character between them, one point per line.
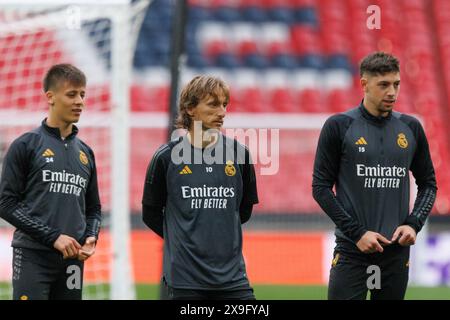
51	239
358	235
413	223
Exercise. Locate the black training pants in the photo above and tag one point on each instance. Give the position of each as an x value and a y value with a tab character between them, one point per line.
352	275
45	275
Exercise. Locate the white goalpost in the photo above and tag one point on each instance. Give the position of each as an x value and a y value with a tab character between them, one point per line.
99	37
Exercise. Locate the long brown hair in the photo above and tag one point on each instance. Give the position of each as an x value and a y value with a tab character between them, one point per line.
196	90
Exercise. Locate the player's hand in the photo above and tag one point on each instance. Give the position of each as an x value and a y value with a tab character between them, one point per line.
88	249
404	235
372	242
67	245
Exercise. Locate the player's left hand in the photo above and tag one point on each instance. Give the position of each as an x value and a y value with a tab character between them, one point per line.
405	235
88	249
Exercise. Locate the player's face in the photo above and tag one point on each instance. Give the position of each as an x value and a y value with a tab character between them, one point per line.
381	91
210	111
67	102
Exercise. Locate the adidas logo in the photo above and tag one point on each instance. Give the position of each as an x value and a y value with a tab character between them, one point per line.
186	170
48	153
361	141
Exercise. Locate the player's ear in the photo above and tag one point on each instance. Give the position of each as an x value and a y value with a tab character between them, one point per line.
50	97
364	82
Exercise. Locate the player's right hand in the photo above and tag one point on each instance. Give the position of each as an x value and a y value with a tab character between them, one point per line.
88	249
372	242
67	245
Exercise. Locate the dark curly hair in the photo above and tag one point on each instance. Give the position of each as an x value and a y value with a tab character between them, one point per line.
379	63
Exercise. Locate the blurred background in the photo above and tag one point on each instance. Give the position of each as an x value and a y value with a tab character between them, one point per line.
290	64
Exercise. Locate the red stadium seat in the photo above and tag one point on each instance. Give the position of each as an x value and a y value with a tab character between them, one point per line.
148	141
305	40
310	100
99	98
282	100
335	43
274	3
144	98
250	100
247	47
216	47
339	100
303	3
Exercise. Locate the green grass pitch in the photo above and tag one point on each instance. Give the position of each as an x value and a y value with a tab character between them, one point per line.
278	292
275	292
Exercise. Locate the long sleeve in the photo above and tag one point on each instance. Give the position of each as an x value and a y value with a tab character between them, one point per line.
245	212
423	171
153	218
93	206
155	192
249	188
326	168
12	187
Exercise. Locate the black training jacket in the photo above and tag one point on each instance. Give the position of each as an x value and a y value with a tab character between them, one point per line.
49	187
368	160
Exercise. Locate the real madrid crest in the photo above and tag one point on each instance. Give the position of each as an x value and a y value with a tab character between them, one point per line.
230	170
83	158
401	141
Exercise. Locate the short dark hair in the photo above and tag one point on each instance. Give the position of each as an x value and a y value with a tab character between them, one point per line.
379	63
194	92
61	73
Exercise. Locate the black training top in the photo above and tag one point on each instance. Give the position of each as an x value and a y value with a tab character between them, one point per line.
48	188
201	223
368	159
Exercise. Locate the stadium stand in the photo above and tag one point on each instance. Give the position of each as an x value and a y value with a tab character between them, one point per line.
279	57
321	62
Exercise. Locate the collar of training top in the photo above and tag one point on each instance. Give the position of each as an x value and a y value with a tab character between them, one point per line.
55	131
377	120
